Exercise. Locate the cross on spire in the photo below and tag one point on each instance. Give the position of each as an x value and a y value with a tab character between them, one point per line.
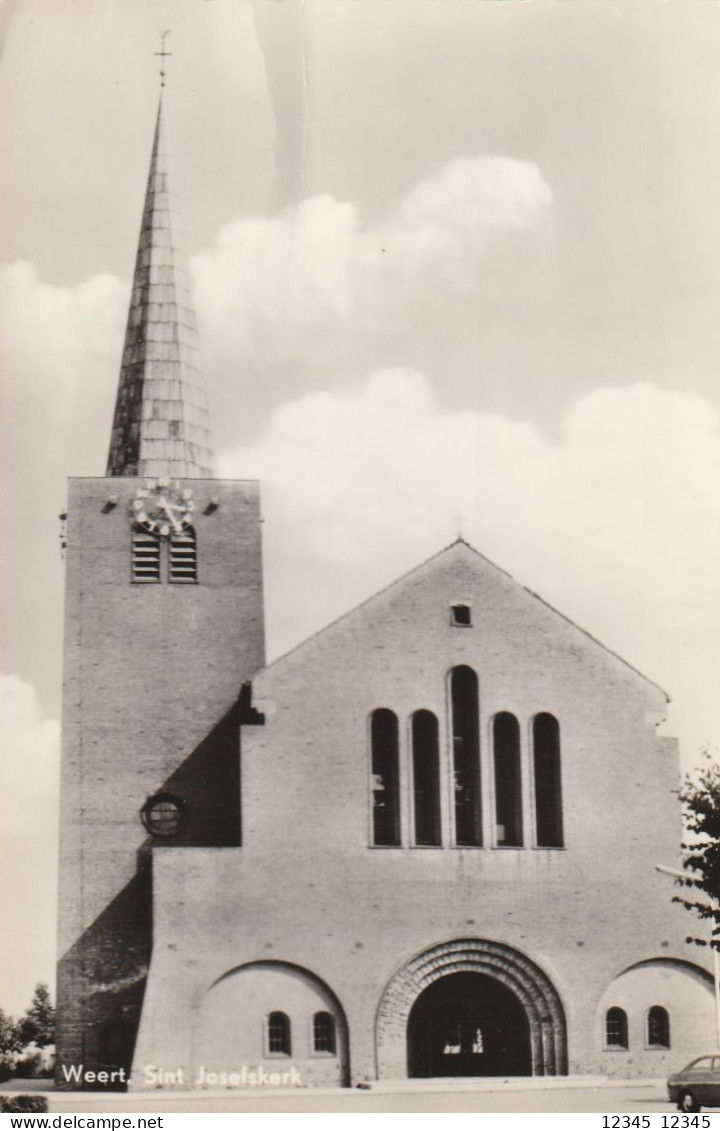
163	54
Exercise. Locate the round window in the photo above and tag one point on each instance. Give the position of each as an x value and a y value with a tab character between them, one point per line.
164	815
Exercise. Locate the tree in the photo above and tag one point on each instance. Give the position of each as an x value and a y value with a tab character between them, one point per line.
38	1023
10	1044
700	796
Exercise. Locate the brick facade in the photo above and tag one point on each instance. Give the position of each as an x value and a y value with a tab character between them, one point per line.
301	912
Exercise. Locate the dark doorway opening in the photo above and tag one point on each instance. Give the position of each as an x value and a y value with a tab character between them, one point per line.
468	1024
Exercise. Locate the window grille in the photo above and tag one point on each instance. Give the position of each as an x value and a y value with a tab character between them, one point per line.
324	1033
279	1034
183	556
145	556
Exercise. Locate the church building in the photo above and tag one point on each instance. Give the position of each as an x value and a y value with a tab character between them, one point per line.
421	844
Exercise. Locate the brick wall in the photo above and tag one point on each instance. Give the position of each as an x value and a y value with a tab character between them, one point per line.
307	888
152	673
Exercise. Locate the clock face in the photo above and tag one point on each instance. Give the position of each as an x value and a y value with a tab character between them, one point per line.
163	506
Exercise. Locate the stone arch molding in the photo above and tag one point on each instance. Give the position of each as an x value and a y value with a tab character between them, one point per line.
540	999
681	965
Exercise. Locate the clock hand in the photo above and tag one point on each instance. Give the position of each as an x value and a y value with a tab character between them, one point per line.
164	505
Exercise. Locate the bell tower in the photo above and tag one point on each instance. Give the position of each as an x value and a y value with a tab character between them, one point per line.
163	626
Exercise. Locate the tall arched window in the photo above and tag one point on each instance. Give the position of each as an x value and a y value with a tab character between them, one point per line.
548	784
385	786
616	1028
508	797
324	1033
466	755
658	1028
278	1034
426	778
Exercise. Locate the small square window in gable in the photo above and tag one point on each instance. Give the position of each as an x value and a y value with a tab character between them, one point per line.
461	615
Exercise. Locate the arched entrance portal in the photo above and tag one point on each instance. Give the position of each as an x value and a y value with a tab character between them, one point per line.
502	992
468	1025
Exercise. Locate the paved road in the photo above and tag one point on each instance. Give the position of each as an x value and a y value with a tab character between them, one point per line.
636	1100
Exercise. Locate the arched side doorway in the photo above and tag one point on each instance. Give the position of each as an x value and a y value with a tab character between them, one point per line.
488	1005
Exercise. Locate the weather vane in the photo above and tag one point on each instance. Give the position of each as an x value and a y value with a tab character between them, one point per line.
163	54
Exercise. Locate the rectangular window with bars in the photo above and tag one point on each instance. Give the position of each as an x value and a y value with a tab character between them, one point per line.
145	556
183	557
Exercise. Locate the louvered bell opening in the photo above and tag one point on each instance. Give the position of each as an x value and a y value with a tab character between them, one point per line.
183	557
145	556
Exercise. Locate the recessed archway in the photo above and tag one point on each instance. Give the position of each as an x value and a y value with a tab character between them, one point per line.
505	993
468	1024
265	1014
674	990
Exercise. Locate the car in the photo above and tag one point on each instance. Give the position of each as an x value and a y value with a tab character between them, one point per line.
697	1084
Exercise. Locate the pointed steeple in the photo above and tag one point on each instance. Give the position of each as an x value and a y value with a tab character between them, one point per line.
161	425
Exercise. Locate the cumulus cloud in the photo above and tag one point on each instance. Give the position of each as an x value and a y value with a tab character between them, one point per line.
69	328
471	194
617	522
29	781
59	356
304	296
314	281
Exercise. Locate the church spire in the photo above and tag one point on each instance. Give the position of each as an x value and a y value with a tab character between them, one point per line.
161	425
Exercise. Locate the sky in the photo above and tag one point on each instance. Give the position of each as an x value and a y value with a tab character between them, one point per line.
455	266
